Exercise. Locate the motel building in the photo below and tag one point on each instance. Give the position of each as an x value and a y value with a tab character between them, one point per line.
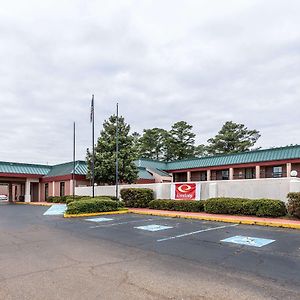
267	163
32	182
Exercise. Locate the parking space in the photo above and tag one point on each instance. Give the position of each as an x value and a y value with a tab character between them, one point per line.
159	230
263	253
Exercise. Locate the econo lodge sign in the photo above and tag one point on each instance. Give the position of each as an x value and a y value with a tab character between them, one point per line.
185	191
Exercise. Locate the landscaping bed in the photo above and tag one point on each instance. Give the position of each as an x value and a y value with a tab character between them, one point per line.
94	206
70	198
144	198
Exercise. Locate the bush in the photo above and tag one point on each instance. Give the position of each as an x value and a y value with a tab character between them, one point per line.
93	206
178	205
241	206
110	197
229	206
137	197
77	198
269	208
293	206
57	199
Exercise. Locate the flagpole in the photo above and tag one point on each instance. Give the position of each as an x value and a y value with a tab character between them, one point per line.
117	152
74	149
93	141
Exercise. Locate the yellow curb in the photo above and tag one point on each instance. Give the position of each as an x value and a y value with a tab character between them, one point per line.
219	219
95	214
34	203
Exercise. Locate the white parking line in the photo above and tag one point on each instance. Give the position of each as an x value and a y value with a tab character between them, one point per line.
194	232
120	223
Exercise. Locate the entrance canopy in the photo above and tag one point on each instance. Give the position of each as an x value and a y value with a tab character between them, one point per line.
22	180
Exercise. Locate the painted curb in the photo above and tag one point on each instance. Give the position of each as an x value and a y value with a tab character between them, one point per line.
96	214
34	203
218	219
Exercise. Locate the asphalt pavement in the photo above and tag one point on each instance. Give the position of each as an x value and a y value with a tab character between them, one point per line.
143	257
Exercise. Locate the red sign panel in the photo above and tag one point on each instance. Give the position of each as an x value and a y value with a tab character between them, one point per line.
185	191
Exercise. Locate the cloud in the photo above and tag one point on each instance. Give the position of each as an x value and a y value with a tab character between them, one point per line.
205	62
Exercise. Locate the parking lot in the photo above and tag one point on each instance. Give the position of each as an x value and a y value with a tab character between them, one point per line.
262	261
203	241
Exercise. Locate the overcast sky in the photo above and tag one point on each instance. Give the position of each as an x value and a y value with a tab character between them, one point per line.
204	62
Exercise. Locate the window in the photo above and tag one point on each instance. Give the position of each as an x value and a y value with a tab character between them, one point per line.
203	176
277	171
62	189
46	191
249	173
225	174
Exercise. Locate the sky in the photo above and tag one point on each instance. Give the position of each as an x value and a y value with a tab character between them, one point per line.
204	62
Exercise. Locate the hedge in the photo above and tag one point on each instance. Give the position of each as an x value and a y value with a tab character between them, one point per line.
78	198
93	206
69	198
242	206
57	199
293	206
137	197
178	205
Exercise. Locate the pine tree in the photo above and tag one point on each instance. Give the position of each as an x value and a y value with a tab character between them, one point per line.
152	143
105	153
232	138
181	141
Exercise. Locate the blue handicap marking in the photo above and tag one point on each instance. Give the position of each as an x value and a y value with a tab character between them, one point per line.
99	220
56	210
248	240
153	227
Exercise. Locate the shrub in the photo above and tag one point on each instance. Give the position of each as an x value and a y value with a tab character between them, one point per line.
93	206
56	199
79	198
293	206
137	197
224	205
178	205
241	206
110	197
269	208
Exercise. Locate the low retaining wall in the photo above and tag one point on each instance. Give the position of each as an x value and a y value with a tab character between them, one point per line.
274	188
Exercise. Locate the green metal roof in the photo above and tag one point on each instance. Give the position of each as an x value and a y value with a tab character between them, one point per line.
144	174
22	168
159	172
148	163
67	168
43	170
273	154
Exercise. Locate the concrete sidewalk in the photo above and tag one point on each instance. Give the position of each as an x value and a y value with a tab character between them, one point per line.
248	220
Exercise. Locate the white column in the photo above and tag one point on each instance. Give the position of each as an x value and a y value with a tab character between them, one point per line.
40	189
230	173
208	175
288	169
27	191
188	176
53	188
73	184
257	172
